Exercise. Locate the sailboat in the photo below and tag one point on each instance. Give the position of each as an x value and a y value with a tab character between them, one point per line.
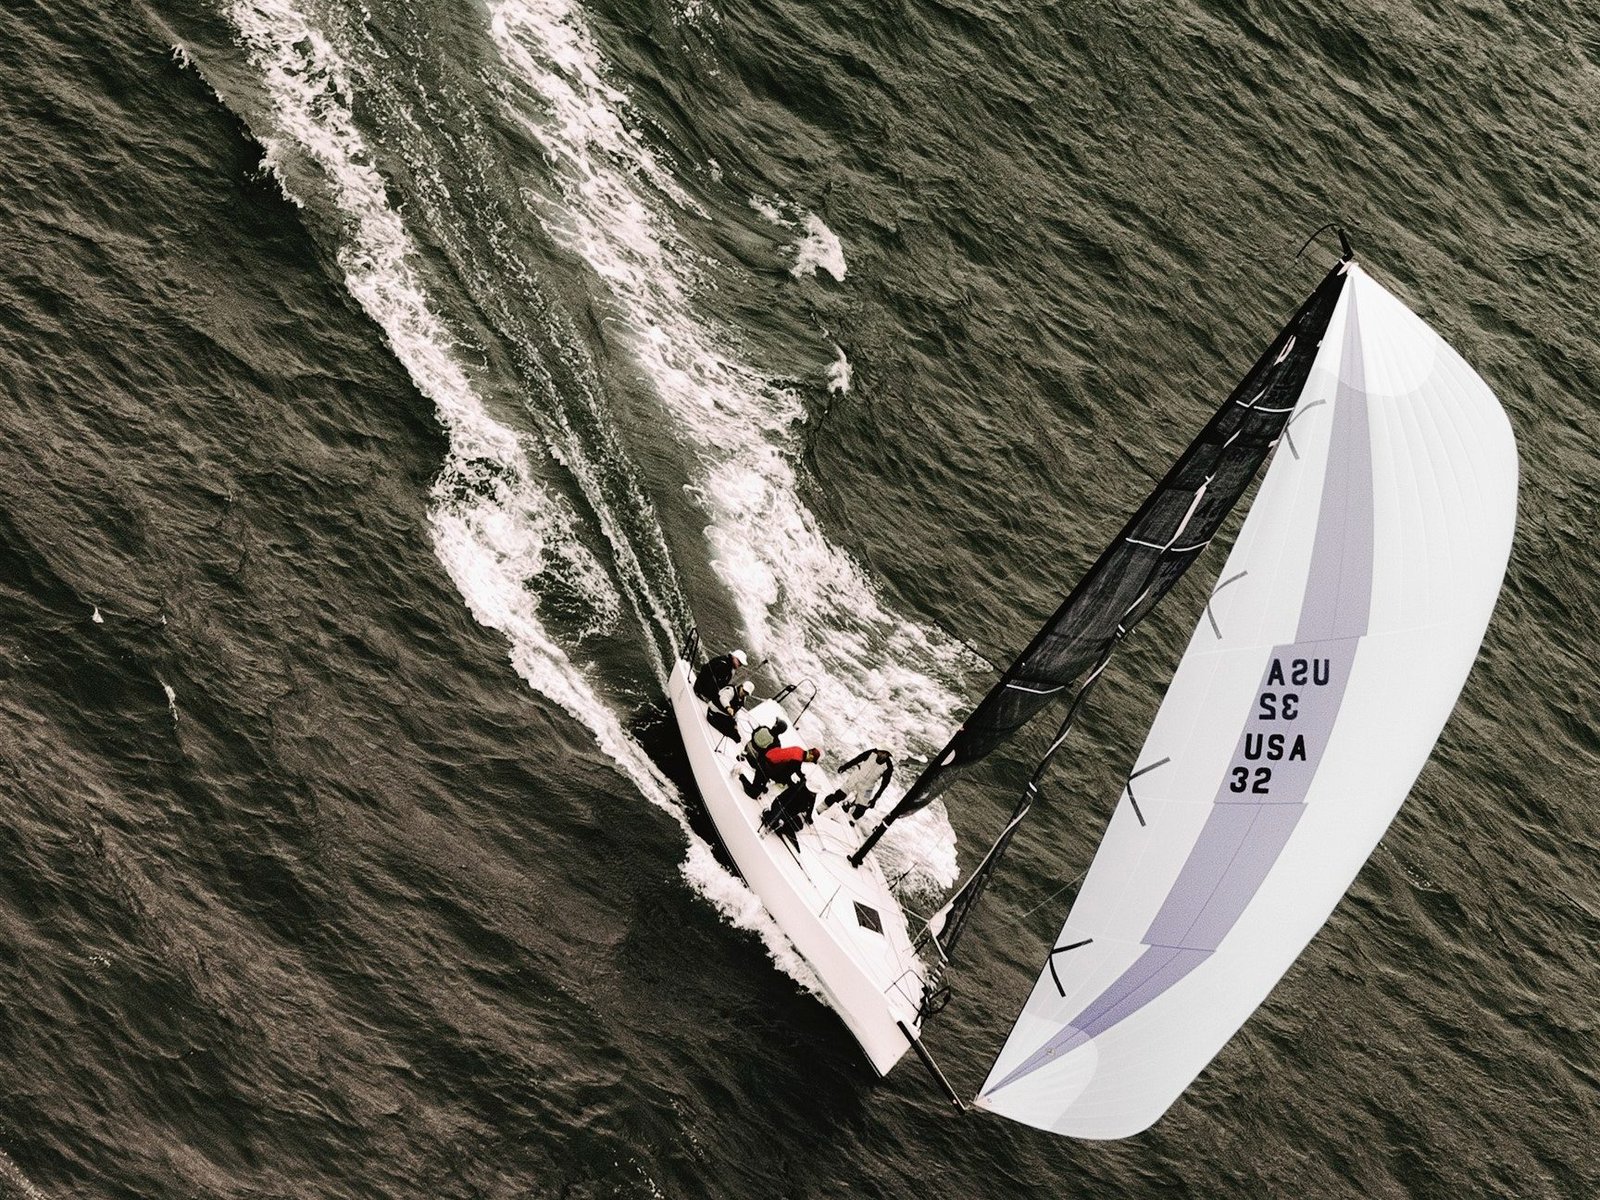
843	919
1323	666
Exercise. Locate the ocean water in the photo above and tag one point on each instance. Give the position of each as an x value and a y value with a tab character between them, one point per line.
389	386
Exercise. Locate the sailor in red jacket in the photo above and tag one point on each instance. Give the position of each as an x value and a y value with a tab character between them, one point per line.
783	763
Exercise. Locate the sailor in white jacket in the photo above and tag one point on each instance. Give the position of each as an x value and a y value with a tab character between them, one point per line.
862	781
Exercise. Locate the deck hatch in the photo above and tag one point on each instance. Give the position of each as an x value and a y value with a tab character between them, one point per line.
868	917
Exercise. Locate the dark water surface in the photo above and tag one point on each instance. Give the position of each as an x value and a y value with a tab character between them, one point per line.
387	384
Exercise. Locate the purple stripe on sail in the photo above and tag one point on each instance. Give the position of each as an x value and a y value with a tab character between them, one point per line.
1225	869
1338	595
1253	815
1157	970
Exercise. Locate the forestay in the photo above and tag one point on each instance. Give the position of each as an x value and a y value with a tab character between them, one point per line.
1316	683
1171	529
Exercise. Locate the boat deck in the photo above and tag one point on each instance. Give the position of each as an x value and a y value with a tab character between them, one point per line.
843	920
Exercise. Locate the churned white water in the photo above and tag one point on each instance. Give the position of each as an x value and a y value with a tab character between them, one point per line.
804	603
496	528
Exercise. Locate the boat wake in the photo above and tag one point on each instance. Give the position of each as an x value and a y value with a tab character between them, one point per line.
804	603
509	540
496	528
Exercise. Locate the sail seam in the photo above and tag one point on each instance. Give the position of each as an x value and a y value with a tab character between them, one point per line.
1208	895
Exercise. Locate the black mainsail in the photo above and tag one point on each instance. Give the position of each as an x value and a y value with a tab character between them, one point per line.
1162	540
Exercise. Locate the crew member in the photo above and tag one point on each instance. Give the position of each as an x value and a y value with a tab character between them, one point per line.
790	811
863	780
718	674
762	739
724	714
783	763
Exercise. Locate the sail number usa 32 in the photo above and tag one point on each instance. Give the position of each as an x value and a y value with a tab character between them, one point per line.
1289	687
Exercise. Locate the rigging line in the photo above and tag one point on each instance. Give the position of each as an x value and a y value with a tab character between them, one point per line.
1066	727
969	602
1344	239
1029	794
894	884
968	894
1054	894
939	622
966	645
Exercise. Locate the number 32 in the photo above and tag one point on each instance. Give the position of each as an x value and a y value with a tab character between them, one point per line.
1241	780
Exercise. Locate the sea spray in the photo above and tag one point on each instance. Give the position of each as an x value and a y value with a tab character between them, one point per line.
494	527
802	601
840	374
815	246
818	249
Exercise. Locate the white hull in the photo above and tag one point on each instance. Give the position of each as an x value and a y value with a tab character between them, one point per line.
872	979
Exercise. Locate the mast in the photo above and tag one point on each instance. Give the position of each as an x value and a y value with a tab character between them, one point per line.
946	925
1164	537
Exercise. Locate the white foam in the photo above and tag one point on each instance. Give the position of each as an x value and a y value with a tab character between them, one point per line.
697	14
839	373
803	602
172	699
739	906
96	617
495	527
817	245
919	854
819	248
495	530
770	210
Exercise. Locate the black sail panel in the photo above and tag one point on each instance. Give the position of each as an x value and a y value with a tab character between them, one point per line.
1166	535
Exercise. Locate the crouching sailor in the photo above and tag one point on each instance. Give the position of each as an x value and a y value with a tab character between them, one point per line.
723	716
718	674
790	811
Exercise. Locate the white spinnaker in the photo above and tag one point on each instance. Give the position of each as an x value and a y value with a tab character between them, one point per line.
1361	585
